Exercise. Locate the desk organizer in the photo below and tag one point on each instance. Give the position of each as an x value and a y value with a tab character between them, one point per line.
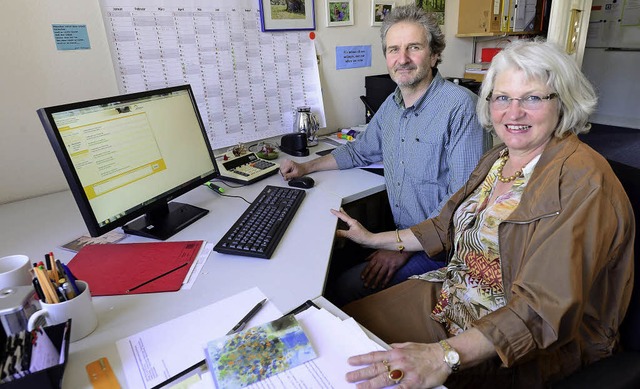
50	378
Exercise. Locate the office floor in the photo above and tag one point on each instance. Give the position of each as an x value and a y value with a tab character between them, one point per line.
616	143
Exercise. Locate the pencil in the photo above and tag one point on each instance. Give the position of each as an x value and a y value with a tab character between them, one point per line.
47	288
54	269
156	277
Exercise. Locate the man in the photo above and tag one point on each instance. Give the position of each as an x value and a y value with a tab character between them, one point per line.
428	137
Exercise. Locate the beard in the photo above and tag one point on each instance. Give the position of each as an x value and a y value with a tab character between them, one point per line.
409	79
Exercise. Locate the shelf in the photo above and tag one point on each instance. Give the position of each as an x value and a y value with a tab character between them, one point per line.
511	33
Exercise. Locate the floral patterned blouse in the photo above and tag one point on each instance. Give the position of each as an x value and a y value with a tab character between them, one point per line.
472	281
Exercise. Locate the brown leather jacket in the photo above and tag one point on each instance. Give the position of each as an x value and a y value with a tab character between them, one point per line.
567	262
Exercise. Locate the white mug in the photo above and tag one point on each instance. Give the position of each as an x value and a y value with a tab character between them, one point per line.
79	309
14	271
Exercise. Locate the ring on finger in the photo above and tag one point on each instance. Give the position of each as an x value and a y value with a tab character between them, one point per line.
386	365
396	375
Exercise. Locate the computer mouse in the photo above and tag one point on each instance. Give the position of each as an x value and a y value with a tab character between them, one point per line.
305	182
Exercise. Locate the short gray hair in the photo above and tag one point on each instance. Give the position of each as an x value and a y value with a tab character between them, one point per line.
545	62
413	14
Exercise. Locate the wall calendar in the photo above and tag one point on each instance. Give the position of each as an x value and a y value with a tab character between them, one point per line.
247	83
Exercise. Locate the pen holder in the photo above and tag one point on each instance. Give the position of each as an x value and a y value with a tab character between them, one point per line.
79	309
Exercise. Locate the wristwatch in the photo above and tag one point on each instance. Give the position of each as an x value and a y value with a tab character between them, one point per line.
451	356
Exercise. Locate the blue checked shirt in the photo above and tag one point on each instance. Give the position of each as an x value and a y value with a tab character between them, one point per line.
428	150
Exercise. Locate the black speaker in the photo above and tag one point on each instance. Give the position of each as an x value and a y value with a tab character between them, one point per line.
295	144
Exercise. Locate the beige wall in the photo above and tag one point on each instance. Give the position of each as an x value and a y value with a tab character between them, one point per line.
33	74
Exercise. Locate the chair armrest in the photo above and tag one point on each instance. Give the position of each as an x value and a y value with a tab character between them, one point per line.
619	371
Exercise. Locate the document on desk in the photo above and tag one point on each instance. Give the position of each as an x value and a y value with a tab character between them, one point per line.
151	357
158	353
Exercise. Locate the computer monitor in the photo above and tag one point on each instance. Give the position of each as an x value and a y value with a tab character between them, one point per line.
130	155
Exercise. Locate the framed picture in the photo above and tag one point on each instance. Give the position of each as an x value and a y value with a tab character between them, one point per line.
434	7
380	9
282	15
339	13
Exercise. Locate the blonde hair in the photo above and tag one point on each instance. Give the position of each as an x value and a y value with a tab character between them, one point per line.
547	63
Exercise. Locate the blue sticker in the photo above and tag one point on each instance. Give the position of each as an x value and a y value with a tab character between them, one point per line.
71	36
349	57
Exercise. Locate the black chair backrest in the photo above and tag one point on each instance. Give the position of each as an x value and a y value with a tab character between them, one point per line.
630	329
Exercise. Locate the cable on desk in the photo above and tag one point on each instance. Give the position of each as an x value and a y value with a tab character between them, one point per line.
240	197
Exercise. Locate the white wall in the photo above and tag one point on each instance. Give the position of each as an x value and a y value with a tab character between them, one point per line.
33	74
615	76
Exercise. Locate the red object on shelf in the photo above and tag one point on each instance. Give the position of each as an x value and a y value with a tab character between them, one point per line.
489	53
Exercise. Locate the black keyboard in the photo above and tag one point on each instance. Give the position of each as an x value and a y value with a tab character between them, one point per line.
258	231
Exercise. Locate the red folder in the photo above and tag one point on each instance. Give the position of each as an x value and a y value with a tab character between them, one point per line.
131	268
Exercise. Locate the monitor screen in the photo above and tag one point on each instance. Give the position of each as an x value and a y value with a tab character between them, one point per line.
130	155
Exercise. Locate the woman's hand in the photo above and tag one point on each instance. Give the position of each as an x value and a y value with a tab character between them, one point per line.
356	231
422	366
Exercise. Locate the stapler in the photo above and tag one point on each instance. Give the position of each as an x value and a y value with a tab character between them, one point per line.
295	144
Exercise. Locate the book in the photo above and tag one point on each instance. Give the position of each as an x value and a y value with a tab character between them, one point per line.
477	66
251	355
85	240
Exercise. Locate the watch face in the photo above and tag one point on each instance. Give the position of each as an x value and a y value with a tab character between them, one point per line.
452	357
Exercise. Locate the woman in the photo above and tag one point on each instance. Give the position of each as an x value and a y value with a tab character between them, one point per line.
540	244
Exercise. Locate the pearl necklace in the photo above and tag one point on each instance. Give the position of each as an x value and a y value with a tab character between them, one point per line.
503	161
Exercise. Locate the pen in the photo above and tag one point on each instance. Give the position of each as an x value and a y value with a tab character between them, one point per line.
70	278
214	187
238	327
156	277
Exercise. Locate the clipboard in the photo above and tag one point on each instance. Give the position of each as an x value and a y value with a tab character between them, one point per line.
133	268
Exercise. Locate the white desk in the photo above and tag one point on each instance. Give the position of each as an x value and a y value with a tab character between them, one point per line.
296	272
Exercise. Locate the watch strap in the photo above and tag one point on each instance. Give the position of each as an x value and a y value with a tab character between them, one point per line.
447	350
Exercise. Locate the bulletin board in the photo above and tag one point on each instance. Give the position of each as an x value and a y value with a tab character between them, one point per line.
614	24
247	83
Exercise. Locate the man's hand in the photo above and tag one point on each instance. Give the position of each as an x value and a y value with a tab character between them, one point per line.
290	169
381	267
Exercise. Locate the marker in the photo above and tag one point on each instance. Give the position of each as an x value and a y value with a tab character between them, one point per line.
38	289
345	136
214	187
238	327
68	290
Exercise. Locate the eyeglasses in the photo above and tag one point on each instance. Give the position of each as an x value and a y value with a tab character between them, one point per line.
530	102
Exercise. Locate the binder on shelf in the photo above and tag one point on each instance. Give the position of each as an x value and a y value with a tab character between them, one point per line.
530	13
479	16
517	15
505	16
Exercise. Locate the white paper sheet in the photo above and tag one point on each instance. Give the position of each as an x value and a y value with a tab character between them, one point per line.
159	353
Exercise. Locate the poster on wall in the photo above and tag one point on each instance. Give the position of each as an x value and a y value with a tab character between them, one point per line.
436	7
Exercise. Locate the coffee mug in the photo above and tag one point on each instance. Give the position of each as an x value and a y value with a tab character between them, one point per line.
14	271
79	309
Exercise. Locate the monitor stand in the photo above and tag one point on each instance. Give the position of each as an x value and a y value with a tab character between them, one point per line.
165	221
